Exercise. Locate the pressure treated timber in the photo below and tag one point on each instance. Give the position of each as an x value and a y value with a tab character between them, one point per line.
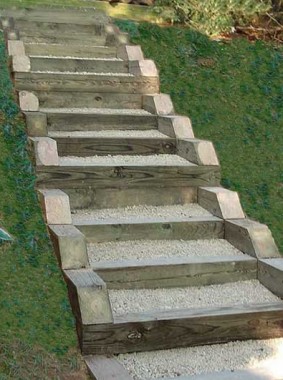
60	64
106	368
183	328
175	272
96	119
69	245
156	228
122	197
126	177
270	274
89	297
76	146
72	99
66	50
82	82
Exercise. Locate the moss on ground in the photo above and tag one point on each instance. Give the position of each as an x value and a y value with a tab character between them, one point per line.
34	307
233	93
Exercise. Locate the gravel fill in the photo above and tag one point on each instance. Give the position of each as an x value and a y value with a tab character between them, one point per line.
149	249
83	73
101	111
148	300
140	213
122	160
63	44
153	133
231	356
77	58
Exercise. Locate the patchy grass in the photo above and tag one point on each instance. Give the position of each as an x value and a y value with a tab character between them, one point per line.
37	332
233	93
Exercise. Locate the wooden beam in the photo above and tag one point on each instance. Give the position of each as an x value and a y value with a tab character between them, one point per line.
159	104
199	152
179	127
270	274
45	151
106	368
175	271
36	123
183	328
251	237
55	205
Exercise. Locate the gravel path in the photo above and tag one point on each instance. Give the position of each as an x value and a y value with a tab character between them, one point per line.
129	160
145	300
140	213
83	73
147	249
77	58
203	359
101	111
150	133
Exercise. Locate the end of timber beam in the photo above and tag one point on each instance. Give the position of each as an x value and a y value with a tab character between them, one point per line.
28	101
70	246
105	367
179	127
45	151
89	297
159	104
11	34
36	123
130	53
252	238
56	206
16	48
114	37
221	202
144	68
199	152
21	63
270	274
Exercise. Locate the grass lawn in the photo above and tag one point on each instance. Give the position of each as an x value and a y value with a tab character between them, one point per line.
233	92
37	332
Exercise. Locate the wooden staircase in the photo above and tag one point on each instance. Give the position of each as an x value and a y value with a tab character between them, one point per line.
153	250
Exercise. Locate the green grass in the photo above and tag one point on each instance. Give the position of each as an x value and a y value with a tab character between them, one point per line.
233	92
34	307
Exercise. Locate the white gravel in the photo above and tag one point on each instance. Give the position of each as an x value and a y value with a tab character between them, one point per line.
76	58
150	133
148	300
231	356
140	213
149	249
83	73
123	160
101	111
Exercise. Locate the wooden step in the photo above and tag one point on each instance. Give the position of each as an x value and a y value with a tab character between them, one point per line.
89	146
98	119
77	173
232	312
70	50
78	64
173	263
187	222
116	83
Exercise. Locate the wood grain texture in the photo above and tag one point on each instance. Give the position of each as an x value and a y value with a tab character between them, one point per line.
183	328
109	198
175	272
78	65
30	81
65	50
126	176
194	228
106	368
270	274
80	146
73	99
98	122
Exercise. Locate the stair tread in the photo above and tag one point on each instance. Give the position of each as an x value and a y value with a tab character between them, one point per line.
126	160
134	301
85	73
113	134
100	254
140	214
94	111
236	360
79	58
